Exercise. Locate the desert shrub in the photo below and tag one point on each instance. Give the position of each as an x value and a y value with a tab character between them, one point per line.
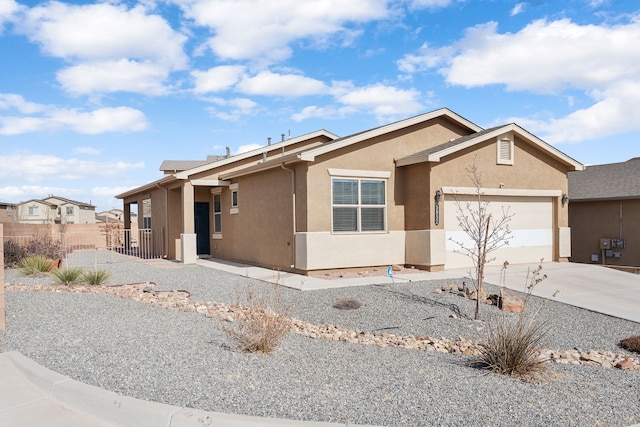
631	343
344	303
95	277
35	265
13	253
67	276
264	320
511	343
45	245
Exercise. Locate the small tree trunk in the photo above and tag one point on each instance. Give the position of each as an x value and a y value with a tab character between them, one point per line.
483	260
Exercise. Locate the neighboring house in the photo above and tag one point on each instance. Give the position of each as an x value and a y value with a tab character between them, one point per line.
55	210
384	196
8	212
72	212
604	214
36	211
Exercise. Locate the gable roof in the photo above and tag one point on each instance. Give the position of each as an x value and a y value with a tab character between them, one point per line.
232	159
435	154
310	154
608	181
73	202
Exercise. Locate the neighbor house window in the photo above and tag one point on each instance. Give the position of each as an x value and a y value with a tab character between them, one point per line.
234	198
69	210
33	210
358	205
217	214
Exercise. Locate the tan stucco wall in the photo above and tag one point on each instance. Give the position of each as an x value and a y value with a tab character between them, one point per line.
262	230
590	221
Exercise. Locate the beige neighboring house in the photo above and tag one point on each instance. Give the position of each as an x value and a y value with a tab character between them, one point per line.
55	210
604	214
8	212
383	196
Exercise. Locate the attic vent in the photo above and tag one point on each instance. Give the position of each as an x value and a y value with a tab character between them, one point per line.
505	150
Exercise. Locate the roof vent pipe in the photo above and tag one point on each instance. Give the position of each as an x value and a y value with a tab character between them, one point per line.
269	141
282	135
228	151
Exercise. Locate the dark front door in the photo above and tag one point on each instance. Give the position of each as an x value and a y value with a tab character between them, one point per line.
201	218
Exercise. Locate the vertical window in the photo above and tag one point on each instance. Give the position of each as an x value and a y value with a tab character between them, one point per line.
358	205
234	198
69	210
217	214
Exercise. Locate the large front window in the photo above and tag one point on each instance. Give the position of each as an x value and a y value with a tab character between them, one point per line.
358	205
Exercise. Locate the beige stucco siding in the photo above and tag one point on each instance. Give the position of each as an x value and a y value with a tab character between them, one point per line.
591	221
261	231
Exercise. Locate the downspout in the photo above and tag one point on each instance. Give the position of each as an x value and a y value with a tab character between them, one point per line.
620	232
293	209
165	235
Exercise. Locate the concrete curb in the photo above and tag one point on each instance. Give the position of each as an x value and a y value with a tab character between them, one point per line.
97	407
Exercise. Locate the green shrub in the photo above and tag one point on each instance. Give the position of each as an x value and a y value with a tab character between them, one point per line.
631	343
36	265
264	320
95	277
67	276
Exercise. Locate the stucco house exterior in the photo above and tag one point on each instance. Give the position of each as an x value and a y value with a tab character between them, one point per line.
379	197
8	212
55	210
604	214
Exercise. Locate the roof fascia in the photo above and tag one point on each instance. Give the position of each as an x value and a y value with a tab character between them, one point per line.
262	166
147	187
310	155
232	159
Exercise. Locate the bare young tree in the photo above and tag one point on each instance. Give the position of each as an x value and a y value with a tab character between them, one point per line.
486	233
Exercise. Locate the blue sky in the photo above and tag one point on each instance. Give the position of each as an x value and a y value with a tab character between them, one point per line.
95	95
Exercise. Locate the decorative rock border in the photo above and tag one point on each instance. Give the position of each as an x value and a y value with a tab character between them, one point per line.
179	300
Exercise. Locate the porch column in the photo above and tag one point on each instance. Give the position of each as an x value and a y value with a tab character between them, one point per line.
188	236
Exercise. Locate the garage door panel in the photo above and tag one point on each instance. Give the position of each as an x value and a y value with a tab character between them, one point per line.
531	229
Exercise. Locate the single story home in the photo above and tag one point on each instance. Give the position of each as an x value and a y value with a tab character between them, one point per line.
604	214
387	195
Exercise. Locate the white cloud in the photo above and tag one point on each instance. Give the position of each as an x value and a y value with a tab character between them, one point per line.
551	57
518	9
30	167
421	4
217	78
248	147
235	108
285	85
112	76
87	150
383	101
126	49
7	10
328	112
263	30
40	117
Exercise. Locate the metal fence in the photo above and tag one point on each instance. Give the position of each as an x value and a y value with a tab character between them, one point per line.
94	249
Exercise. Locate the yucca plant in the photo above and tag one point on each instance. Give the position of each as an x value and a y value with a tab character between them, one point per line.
67	276
95	277
35	265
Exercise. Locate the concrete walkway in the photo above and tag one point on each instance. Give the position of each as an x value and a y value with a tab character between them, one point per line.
32	396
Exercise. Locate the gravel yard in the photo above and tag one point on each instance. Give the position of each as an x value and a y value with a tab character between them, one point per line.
185	359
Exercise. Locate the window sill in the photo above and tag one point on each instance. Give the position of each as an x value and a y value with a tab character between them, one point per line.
234	211
216	236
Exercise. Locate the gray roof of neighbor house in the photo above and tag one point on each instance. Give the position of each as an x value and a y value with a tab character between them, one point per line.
610	181
73	202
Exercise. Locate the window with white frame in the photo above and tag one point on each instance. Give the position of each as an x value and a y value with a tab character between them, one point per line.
358	205
69	210
33	210
217	214
234	198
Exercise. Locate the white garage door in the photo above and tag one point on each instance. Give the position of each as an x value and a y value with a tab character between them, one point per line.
531	226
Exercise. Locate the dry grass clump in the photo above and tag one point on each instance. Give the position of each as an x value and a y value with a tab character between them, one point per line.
95	277
36	265
67	276
631	343
511	343
264	320
344	303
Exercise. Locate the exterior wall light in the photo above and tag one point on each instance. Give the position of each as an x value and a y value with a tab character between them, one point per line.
438	196
565	199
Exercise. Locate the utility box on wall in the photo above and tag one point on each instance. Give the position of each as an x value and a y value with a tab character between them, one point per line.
605	243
